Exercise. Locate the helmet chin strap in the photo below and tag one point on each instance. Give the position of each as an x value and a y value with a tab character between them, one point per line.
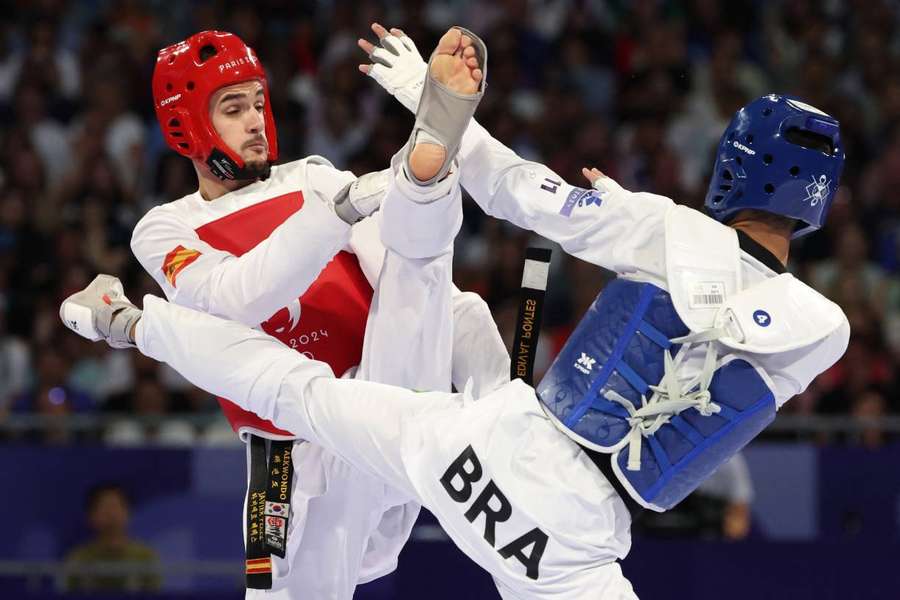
223	166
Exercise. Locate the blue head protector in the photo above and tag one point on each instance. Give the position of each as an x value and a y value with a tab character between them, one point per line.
779	155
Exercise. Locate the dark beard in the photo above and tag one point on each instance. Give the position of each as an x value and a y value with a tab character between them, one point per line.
223	167
256	170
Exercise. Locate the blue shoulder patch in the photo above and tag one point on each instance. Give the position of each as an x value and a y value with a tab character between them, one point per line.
579	197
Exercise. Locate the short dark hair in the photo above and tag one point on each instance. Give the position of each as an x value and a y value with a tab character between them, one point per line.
97	491
773	220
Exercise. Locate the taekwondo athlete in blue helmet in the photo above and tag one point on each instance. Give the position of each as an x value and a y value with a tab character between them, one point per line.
703	335
680	361
689	352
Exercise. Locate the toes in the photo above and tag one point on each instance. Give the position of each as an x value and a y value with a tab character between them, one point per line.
477	75
397	32
449	42
469	51
472	62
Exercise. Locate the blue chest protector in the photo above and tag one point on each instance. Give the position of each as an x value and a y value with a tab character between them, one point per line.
616	386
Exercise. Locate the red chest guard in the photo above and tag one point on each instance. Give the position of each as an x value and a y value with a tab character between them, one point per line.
334	309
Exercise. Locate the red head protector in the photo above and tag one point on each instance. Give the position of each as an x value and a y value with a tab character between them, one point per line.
186	76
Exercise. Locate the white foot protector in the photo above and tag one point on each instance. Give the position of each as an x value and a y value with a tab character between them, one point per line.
101	311
444	115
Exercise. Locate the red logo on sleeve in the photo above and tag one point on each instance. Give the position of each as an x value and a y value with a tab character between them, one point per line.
176	261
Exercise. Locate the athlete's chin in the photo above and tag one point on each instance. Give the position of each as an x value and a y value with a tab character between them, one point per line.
255	162
258	168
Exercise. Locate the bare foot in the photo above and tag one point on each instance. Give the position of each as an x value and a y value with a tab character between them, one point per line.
456	66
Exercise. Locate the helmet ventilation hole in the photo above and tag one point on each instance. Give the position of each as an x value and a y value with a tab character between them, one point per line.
767	158
810	140
739	160
174	123
726	174
749	138
207	52
717	199
795	170
767	112
190	86
769	188
183	145
169	87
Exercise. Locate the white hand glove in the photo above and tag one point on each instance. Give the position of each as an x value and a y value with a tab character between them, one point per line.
362	197
399	68
101	311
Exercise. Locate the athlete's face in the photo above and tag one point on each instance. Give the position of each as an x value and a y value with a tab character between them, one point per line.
237	113
109	515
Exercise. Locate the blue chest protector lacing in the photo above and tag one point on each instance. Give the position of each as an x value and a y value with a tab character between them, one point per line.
620	384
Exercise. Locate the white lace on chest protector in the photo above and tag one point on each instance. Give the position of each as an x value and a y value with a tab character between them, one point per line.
703	267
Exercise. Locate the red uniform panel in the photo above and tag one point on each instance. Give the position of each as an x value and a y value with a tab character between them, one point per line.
327	323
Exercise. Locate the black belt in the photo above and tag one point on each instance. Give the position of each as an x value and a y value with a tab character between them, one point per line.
268	508
528	322
531	305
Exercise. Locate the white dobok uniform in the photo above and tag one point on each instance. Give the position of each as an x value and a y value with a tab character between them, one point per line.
514	492
273	254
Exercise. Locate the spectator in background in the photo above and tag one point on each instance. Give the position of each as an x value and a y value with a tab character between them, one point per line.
51	396
46	134
42	59
15	364
341	116
864	365
850	278
111	561
869	406
151	401
619	84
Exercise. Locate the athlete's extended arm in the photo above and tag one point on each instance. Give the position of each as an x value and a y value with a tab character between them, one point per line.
250	288
608	226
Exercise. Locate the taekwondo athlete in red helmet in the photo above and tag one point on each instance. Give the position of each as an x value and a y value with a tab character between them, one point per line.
289	249
187	75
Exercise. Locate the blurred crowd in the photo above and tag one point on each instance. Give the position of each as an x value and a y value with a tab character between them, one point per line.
640	89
